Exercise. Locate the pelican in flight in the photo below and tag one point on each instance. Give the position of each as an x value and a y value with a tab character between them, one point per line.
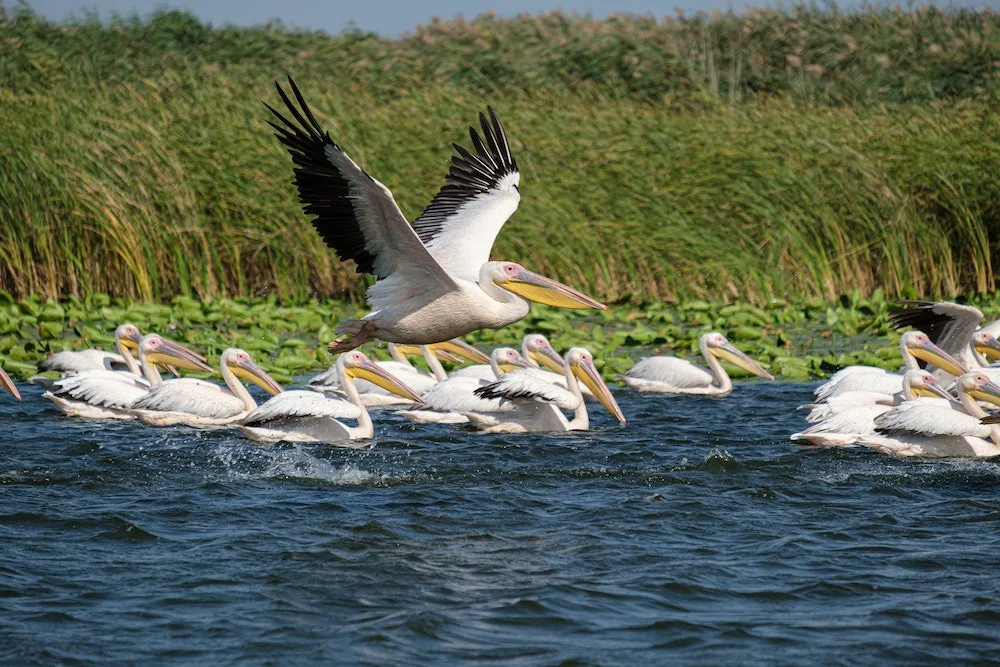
434	280
9	385
194	402
538	404
913	345
127	339
935	430
103	394
308	416
678	376
849	416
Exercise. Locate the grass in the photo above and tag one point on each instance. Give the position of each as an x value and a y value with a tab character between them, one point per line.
739	158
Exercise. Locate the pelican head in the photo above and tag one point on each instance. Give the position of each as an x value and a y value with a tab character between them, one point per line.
507	359
243	367
357	366
720	347
918	344
980	387
532	286
459	348
986	344
129	336
159	350
924	385
8	384
537	348
581	364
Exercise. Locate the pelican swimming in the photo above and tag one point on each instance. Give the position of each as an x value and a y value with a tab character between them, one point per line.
935	430
103	394
538	403
127	339
9	385
851	415
194	402
953	328
434	280
679	376
308	416
446	402
913	345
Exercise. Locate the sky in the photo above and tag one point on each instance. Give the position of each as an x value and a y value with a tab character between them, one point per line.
392	17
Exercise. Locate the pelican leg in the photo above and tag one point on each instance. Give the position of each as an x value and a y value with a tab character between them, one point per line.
345	344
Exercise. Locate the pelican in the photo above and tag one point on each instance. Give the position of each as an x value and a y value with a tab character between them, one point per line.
679	376
448	400
433	279
538	404
912	429
953	327
307	416
199	403
9	385
103	394
850	416
127	339
913	345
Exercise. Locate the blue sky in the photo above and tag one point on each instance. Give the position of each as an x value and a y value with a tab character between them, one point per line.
387	17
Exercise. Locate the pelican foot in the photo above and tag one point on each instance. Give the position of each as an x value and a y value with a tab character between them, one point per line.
345	344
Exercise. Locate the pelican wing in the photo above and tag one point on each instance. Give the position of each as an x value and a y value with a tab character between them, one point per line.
83	360
949	325
298	404
456	395
520	387
107	389
461	223
929	419
353	213
676	372
191	396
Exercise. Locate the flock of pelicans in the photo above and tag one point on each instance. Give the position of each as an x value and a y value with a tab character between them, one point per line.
435	282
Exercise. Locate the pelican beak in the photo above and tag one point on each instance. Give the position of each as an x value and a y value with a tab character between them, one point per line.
251	372
174	354
460	348
989	392
409	350
990	348
737	358
538	288
366	370
8	384
932	391
548	357
935	356
587	373
517	362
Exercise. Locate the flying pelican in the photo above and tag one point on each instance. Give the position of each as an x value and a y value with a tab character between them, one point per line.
434	280
912	429
9	385
104	394
679	376
196	402
308	416
913	345
849	416
449	399
538	404
127	339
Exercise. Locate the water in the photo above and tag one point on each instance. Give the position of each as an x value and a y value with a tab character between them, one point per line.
697	534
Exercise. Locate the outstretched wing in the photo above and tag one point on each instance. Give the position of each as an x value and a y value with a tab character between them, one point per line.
949	325
518	386
461	223
353	213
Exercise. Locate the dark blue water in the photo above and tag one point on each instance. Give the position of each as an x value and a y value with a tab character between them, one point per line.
697	534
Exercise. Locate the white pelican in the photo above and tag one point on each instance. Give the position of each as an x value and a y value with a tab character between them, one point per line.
308	416
446	402
127	339
913	345
851	415
196	402
433	279
912	429
538	404
953	327
9	385
679	376
104	394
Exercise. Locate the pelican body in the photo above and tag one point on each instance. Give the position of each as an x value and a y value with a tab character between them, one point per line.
127	339
308	416
678	376
433	279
